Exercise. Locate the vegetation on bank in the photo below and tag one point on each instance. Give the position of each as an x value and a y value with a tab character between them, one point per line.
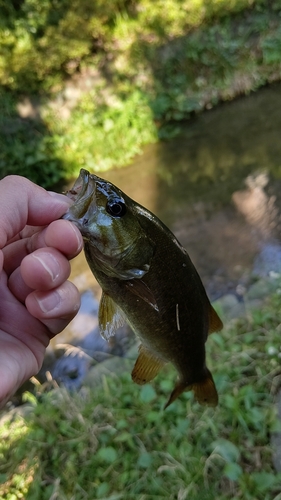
89	83
115	441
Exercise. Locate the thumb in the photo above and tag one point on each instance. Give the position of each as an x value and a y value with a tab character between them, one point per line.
1	261
23	202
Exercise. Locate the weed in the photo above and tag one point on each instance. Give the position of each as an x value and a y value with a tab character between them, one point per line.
157	63
115	440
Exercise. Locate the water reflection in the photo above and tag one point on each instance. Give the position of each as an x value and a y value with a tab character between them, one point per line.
218	188
258	208
262	214
191	181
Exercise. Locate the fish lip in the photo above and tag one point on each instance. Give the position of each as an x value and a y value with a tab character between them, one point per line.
83	194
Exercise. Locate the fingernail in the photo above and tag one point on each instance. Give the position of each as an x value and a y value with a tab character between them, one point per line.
49	302
49	263
78	238
60	197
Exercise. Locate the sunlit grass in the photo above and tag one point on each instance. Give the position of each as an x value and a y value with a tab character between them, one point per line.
115	441
155	64
100	136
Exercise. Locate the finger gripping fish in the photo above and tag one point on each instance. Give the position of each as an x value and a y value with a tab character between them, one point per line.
147	278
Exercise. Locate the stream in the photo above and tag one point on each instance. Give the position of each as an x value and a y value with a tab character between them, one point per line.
217	187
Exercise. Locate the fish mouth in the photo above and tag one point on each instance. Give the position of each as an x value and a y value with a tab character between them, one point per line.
83	194
79	189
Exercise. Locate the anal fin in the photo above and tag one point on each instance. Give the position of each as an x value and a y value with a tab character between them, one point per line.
110	317
146	367
178	390
215	323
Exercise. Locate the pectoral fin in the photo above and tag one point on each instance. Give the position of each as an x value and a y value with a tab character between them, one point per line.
110	317
215	323
146	367
141	290
205	392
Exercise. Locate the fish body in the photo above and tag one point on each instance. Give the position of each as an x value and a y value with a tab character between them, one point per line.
147	278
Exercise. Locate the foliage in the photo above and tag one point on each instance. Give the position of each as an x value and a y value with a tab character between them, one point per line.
51	150
27	147
94	135
271	47
154	65
115	441
43	41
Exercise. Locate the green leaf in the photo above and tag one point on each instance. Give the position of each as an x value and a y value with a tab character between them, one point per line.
102	490
28	397
145	460
275	426
147	393
232	471
167	385
123	436
227	450
3	478
182	425
121	424
153	416
264	480
108	454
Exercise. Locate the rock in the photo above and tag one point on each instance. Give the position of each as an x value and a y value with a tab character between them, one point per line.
110	367
72	367
268	261
253	304
229	307
115	365
262	288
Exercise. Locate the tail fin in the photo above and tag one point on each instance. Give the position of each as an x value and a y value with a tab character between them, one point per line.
205	392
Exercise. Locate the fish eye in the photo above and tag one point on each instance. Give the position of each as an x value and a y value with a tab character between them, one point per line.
116	207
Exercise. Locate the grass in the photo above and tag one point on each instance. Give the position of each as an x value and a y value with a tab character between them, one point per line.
114	441
153	68
99	136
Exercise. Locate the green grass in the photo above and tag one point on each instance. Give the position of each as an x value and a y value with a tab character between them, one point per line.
115	441
155	65
99	136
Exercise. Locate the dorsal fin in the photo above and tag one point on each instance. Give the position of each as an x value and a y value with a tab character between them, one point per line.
146	367
110	317
215	323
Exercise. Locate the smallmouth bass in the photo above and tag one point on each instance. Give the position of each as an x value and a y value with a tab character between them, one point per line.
148	279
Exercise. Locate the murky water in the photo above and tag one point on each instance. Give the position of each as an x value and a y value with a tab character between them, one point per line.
218	188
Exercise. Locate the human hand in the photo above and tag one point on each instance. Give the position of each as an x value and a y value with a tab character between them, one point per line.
36	300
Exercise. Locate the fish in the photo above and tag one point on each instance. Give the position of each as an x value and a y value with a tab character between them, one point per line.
147	279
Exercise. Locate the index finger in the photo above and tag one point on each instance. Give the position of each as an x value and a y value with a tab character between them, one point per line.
60	234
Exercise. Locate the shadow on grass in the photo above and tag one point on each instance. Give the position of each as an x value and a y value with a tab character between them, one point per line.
26	146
